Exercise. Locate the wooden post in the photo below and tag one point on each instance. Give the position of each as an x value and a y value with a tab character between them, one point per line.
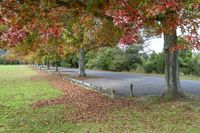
60	75
91	86
113	93
100	88
131	91
82	83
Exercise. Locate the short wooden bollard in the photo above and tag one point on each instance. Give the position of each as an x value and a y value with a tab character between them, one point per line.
91	86
131	90
60	75
82	83
113	94
100	89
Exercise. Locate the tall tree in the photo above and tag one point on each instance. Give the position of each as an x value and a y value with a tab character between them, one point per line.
87	32
160	17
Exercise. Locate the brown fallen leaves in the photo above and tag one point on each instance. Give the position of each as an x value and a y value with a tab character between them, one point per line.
85	105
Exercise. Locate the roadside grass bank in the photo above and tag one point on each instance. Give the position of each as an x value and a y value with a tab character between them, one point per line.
32	101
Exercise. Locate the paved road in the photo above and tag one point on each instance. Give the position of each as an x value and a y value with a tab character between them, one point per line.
120	81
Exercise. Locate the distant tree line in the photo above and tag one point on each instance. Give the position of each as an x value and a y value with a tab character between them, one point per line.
113	59
117	59
5	61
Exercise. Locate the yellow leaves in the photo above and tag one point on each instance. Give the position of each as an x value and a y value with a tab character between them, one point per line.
68	50
76	28
87	21
67	36
88	31
107	33
46	4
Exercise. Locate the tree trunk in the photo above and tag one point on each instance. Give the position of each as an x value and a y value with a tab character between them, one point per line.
173	86
56	65
43	63
48	65
82	62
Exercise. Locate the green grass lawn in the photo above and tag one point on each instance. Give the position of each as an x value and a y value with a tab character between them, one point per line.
20	87
17	93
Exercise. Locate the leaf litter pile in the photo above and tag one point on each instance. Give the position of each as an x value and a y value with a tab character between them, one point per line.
85	105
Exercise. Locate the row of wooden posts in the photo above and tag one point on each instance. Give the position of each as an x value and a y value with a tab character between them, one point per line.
112	93
109	92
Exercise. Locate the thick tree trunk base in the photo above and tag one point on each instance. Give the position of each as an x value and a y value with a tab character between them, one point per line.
173	95
173	85
82	75
181	95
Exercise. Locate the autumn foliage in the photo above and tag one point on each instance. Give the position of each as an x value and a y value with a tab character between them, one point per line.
157	17
47	18
51	29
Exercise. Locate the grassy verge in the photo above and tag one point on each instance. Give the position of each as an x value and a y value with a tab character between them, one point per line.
20	87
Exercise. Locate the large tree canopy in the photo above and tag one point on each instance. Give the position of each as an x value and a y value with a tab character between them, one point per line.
68	24
56	23
156	17
160	17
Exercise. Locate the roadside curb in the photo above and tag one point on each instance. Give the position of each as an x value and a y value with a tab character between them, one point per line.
86	85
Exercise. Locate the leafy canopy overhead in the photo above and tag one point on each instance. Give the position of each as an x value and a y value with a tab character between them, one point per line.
156	16
19	18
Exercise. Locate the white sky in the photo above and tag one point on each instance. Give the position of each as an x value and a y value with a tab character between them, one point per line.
157	44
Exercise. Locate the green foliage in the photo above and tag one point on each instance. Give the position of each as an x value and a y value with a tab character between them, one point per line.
154	63
94	5
184	61
115	59
189	63
2	28
148	67
132	57
101	61
70	61
193	66
5	61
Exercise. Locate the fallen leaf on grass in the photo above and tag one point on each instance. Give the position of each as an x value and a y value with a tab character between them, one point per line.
88	105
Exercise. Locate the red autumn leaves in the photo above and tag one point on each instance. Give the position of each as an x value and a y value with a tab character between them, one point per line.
161	16
128	20
85	105
129	16
51	32
13	35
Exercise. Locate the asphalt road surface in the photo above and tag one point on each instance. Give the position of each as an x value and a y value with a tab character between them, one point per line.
120	81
